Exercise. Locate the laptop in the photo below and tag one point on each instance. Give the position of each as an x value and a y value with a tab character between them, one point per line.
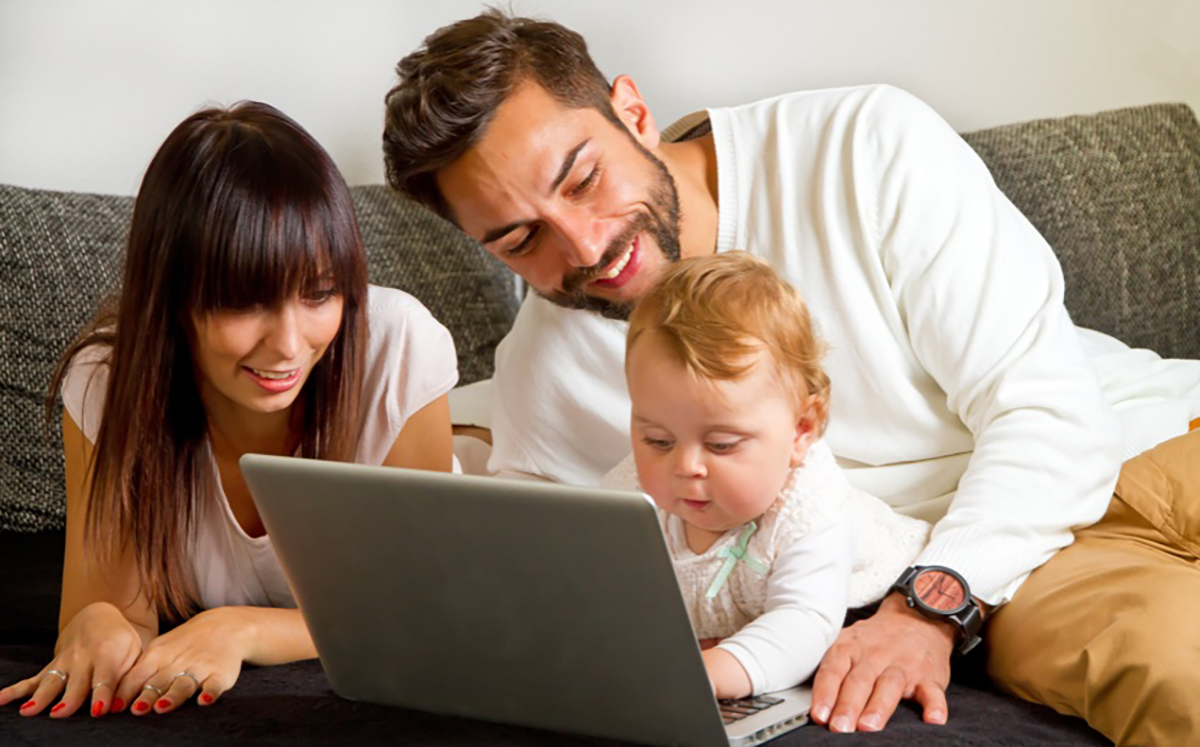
517	602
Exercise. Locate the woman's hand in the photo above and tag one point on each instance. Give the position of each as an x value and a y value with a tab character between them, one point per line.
203	655
95	650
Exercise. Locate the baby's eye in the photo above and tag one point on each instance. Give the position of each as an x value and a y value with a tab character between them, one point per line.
722	447
661	444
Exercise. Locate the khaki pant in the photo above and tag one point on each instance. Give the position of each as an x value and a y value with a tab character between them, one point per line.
1109	628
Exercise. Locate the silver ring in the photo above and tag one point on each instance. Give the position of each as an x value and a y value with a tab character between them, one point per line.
190	676
157	690
61	675
99	684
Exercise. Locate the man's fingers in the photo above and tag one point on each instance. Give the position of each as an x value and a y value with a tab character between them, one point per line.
889	688
933	701
856	689
827	684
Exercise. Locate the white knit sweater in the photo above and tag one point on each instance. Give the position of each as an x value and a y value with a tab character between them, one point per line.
961	395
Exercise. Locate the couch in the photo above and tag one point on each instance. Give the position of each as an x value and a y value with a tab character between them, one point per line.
1117	194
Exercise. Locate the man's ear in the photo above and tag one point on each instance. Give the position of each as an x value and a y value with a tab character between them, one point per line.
808	426
631	109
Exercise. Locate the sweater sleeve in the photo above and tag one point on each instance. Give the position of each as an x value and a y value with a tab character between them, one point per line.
981	297
806	604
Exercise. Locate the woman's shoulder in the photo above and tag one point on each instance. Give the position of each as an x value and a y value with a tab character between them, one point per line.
85	386
398	320
392	305
411	359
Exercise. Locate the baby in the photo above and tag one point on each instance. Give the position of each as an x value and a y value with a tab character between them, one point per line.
729	403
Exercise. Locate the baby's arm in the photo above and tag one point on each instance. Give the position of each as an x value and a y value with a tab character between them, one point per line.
806	605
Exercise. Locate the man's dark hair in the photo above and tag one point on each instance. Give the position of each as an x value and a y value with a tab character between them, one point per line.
451	87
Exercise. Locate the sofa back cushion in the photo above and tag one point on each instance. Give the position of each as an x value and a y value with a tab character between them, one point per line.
61	254
1117	194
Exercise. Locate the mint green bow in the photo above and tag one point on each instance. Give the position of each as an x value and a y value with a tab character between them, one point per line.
732	555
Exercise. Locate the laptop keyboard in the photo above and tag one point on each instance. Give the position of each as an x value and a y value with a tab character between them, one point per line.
736	710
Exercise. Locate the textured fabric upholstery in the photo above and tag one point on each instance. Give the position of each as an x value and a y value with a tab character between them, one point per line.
61	254
1117	194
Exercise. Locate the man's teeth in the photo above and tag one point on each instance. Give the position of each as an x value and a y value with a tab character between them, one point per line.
620	265
273	374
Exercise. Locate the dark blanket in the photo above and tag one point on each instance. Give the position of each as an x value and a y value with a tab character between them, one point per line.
293	704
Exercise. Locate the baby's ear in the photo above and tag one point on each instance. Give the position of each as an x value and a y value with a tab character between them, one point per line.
808	428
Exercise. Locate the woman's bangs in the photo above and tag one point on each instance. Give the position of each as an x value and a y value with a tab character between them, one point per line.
271	251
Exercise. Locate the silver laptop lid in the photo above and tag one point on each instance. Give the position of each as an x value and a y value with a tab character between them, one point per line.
518	602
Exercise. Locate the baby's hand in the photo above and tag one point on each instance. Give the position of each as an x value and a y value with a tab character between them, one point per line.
729	680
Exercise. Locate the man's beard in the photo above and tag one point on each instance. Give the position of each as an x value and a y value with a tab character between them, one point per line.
661	220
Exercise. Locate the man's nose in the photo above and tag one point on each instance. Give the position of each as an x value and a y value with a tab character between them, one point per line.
584	240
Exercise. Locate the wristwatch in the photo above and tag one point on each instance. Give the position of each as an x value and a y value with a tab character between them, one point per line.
942	594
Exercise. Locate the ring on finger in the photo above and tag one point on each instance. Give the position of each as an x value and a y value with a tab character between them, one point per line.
97	685
155	688
189	675
61	675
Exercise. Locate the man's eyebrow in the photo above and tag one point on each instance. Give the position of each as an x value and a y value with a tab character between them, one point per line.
498	233
567	163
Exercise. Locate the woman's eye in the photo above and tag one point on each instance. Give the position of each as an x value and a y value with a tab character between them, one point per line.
318	297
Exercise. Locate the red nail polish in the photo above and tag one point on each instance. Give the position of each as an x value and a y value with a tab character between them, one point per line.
206	698
164	703
98	708
141	706
58	707
28	704
118	705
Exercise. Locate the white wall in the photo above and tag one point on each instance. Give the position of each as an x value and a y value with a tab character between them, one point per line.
89	88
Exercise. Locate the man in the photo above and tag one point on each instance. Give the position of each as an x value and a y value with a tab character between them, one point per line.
961	392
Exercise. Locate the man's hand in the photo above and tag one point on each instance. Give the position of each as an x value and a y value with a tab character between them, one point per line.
895	654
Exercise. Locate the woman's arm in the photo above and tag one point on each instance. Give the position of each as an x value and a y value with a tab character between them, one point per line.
104	620
205	655
86	579
426	440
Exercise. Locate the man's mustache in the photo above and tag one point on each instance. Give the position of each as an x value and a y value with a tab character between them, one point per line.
574	282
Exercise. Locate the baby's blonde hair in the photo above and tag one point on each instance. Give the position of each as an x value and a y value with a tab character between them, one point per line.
714	312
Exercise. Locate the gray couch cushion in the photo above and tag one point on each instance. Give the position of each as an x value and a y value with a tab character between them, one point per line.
60	254
1117	194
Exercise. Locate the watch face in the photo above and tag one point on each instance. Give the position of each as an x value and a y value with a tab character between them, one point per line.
940	591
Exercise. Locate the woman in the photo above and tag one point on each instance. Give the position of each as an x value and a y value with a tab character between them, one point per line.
245	324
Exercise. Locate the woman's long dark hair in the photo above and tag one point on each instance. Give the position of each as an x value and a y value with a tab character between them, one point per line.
240	208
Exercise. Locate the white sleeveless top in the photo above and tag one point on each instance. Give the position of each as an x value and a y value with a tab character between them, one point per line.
410	362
